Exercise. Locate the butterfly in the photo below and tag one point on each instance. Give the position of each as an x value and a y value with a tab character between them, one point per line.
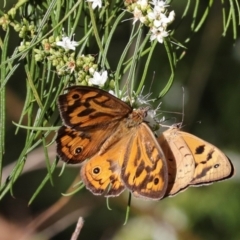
124	153
122	150
192	161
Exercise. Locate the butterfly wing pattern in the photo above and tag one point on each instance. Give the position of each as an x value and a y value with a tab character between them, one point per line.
89	117
119	151
192	161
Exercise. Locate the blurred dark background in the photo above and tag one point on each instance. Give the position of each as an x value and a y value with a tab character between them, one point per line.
210	75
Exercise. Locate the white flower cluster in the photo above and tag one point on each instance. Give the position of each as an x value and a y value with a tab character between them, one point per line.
153	14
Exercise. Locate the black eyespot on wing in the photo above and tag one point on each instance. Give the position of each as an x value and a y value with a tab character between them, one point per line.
78	150
156	181
75	96
96	170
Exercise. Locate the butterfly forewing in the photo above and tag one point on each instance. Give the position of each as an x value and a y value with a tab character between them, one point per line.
91	116
84	108
210	163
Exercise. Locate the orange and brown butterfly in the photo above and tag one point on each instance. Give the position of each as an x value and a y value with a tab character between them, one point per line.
121	148
124	153
192	161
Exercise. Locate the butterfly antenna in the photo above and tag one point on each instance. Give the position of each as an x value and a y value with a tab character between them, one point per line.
128	208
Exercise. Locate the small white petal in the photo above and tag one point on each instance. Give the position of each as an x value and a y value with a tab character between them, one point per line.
159	34
159	3
171	16
137	13
91	70
142	19
151	15
157	23
104	76
143	4
153	37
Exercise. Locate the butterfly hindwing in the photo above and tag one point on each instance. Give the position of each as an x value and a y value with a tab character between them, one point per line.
102	173
179	159
76	146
